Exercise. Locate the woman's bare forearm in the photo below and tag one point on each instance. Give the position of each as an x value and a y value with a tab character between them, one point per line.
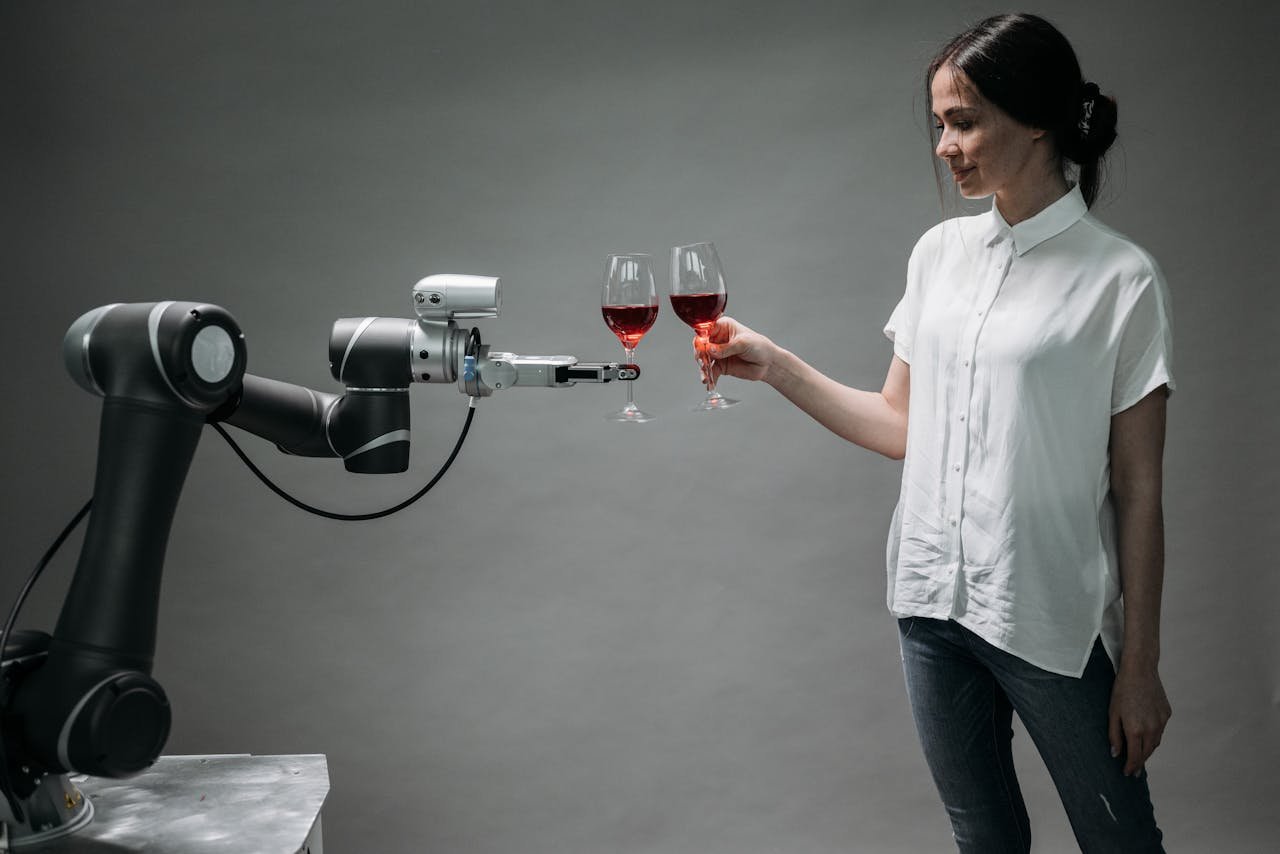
876	420
1137	446
1140	524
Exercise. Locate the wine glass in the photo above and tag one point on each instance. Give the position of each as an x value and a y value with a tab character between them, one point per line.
629	303
698	298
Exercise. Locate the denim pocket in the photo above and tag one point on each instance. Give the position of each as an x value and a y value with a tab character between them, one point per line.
905	625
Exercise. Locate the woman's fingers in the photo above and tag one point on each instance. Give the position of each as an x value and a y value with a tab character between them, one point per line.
1139	712
725	329
734	350
729	338
734	347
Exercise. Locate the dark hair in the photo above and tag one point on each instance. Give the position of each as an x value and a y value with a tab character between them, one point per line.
1023	65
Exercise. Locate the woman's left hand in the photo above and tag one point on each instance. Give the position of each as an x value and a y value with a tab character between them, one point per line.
1139	711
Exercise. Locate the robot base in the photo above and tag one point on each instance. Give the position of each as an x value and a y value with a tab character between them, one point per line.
54	810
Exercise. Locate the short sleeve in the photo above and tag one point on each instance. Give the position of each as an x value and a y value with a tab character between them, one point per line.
901	328
1144	360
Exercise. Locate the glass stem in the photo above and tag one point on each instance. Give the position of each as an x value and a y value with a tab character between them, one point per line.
704	339
631	359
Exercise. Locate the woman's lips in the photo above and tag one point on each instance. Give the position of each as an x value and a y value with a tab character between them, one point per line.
961	174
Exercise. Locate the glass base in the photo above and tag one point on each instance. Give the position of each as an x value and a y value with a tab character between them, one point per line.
715	402
630	414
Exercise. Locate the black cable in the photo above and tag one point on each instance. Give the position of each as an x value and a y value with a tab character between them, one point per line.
350	517
5	783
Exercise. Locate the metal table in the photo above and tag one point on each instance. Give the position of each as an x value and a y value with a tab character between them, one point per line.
203	804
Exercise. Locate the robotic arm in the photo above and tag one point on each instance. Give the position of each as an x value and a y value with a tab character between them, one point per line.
377	358
83	700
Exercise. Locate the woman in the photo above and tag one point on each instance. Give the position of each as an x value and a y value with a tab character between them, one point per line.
1027	396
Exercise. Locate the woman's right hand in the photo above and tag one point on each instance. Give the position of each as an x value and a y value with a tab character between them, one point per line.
739	351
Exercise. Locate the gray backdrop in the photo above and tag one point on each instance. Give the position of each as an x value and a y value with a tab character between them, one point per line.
597	637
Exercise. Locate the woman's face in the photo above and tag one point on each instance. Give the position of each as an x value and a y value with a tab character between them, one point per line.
987	151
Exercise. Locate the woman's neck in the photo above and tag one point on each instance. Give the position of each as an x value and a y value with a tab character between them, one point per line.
1022	203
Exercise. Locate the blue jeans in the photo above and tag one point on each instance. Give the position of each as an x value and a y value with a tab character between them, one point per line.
963	695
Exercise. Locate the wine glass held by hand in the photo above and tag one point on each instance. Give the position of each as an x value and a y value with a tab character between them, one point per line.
629	303
698	298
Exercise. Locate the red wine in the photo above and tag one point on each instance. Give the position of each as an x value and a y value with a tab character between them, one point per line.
698	309
629	322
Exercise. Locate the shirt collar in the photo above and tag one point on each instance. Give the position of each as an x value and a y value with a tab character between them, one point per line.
1050	222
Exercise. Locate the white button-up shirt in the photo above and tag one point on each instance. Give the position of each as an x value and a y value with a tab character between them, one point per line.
1023	341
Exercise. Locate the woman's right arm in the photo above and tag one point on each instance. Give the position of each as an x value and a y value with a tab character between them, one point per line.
874	420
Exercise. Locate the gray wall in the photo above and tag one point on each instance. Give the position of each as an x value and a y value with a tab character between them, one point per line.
596	637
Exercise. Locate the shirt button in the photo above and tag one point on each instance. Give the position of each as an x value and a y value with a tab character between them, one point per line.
961	417
953	522
956	467
979	312
965	363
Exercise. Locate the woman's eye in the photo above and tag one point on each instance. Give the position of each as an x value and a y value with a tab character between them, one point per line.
963	125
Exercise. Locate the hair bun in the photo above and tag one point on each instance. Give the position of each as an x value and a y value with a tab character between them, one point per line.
1095	128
